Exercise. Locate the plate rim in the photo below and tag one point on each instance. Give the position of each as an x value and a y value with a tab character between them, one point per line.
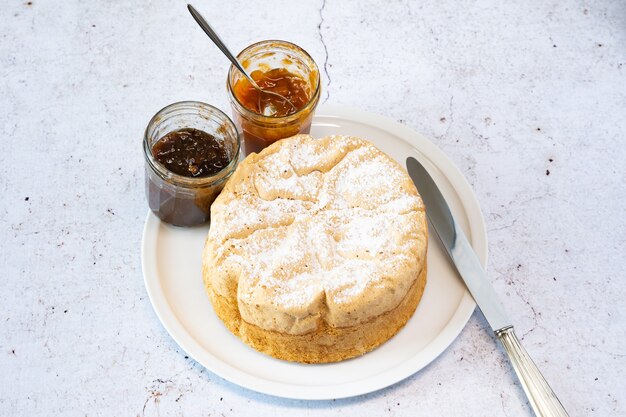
373	383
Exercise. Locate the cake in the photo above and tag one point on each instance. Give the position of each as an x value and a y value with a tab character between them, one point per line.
317	249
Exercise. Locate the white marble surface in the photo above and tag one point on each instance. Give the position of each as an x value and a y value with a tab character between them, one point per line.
528	99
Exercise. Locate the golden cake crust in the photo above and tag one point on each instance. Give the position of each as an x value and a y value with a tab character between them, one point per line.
317	249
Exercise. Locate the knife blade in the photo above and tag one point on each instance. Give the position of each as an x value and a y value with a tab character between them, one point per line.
541	397
458	247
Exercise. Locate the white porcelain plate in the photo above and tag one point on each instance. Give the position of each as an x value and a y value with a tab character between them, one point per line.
171	259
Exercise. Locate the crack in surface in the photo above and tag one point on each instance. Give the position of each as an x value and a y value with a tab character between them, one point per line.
506	226
321	36
535	317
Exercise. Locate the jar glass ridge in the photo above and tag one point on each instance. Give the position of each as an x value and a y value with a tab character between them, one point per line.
259	131
174	198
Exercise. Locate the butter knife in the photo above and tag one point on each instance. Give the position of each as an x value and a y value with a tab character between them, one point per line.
541	397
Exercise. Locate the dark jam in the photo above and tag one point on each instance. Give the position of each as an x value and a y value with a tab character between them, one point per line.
194	154
277	80
191	153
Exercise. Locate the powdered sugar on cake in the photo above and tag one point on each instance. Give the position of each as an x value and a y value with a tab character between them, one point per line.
319	222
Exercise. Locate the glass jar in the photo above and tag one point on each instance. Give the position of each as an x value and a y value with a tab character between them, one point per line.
260	131
174	198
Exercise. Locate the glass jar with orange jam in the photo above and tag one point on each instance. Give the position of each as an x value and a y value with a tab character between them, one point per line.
283	68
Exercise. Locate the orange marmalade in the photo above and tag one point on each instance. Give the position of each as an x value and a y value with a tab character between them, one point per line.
277	80
283	68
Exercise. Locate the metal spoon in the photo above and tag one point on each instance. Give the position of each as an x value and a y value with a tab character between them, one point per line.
222	47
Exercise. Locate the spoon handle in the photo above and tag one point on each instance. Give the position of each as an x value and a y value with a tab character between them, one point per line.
218	42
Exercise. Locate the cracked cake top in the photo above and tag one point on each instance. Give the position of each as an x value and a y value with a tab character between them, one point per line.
311	229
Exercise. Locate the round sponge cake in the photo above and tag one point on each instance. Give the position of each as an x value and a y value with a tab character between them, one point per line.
317	249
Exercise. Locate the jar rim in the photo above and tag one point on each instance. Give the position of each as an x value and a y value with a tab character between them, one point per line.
177	179
271	119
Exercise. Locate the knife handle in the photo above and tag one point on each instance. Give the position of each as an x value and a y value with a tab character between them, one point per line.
541	397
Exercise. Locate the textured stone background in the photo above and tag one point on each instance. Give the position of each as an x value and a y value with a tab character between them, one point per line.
529	100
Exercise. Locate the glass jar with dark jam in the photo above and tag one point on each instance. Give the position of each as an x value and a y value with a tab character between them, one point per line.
283	68
190	149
